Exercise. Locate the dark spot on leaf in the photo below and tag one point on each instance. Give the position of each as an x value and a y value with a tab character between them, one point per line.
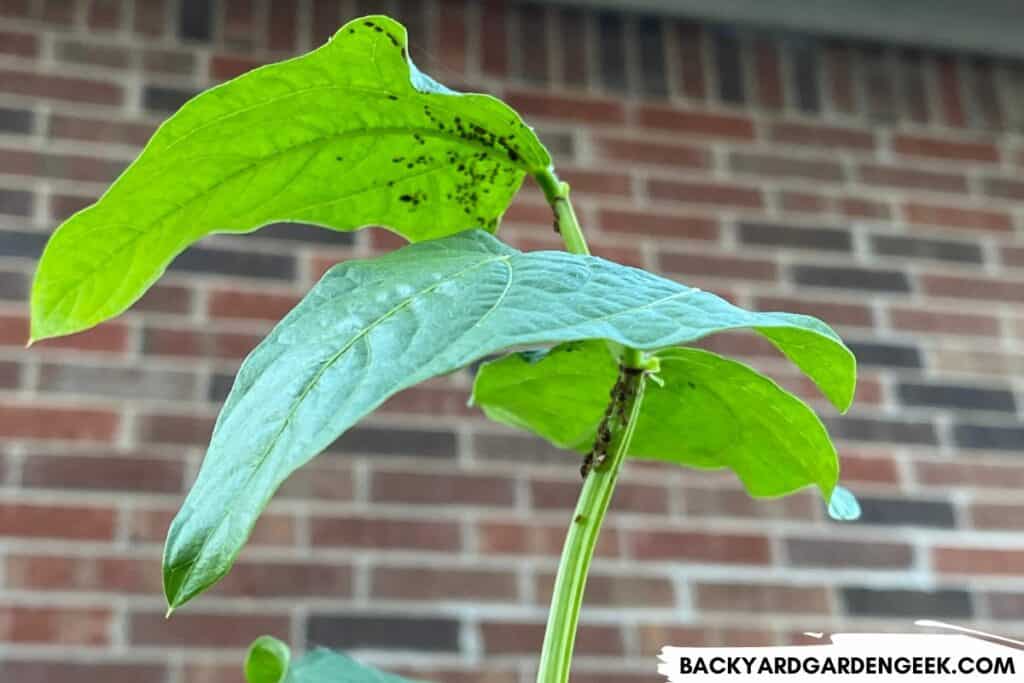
405	198
692	385
392	97
513	155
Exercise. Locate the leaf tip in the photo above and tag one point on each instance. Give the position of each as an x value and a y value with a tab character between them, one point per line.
169	613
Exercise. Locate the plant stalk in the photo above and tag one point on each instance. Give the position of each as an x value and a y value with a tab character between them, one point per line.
599	481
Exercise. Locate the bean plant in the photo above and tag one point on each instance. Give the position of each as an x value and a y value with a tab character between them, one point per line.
351	135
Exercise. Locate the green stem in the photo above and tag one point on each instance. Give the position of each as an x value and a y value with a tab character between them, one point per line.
557	194
599	484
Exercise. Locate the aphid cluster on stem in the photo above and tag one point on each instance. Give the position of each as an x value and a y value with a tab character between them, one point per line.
622	394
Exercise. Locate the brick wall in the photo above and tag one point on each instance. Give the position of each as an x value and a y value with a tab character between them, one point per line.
876	186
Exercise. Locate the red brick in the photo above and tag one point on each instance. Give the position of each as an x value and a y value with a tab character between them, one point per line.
814	135
43	422
575	109
443	488
950	96
519	638
695	122
720	548
63	167
709	265
978	561
973	219
104	14
265	579
911	178
55	625
60	87
119	472
165	299
494	56
804	202
692	64
224	67
194	629
762	598
659	224
714	193
166	341
654	637
513	538
34	670
993	289
861	207
660	153
107	130
838	554
982	476
867	467
423	583
429	400
1012	256
386	534
782	166
944	148
230	303
282	25
452	36
239	23
189	430
736	503
768	75
324	478
944	322
600	183
832	312
63	206
1004	188
109	337
52	521
18	44
1006	516
840	71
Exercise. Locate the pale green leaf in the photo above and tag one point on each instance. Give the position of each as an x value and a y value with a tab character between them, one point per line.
369	329
349	135
707	412
267	661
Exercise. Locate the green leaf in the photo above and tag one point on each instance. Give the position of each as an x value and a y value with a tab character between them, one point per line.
349	135
267	660
369	329
708	412
324	666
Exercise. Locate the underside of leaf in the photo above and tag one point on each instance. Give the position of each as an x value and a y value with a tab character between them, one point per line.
349	135
705	411
371	328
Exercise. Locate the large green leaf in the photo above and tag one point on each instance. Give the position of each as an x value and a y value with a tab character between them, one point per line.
707	412
369	329
351	134
269	661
